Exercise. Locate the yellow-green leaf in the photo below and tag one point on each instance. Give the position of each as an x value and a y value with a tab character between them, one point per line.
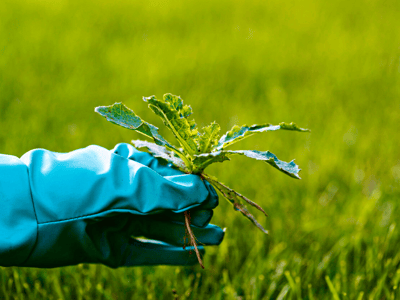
238	133
208	138
175	117
203	160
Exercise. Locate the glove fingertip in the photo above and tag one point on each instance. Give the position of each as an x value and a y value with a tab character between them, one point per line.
220	235
151	252
201	218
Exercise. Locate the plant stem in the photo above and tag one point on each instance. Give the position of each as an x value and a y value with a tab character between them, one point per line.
192	238
183	157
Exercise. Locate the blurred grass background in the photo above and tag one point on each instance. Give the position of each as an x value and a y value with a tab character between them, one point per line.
331	66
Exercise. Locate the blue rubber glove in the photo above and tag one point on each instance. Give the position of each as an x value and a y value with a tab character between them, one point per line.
85	206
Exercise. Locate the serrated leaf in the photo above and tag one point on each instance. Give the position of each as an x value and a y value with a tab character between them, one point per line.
238	133
235	199
203	160
175	117
208	138
161	151
123	116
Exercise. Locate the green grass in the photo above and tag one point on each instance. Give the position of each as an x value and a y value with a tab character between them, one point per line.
331	66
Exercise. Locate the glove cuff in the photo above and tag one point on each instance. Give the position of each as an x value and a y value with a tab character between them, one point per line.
18	224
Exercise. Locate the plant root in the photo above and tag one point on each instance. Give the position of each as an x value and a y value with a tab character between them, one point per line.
190	235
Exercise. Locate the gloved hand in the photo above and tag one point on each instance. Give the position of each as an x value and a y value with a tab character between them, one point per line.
84	207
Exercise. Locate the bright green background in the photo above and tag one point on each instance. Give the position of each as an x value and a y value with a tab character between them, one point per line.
331	66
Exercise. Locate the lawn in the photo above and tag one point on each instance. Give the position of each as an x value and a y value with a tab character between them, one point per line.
330	66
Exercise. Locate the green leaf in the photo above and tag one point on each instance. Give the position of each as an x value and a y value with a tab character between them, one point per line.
121	115
203	160
160	151
238	133
175	117
208	138
236	200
